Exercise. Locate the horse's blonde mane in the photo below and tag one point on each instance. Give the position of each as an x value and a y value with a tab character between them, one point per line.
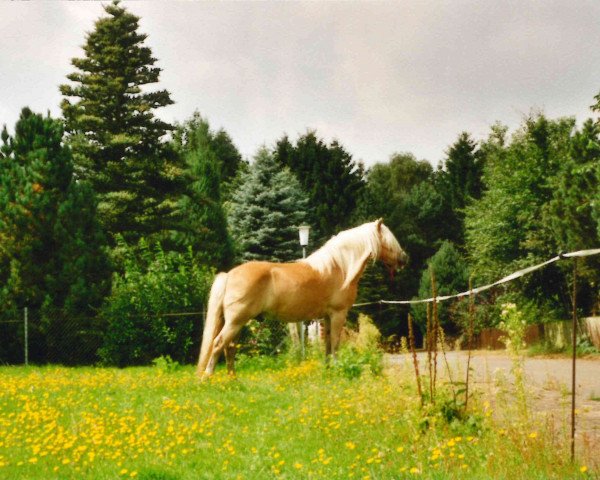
347	247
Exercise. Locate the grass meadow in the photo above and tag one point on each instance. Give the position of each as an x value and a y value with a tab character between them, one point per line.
276	420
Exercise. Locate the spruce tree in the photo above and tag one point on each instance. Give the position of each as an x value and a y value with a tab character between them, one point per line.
266	210
115	136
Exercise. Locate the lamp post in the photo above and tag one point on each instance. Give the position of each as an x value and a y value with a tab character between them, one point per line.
303	232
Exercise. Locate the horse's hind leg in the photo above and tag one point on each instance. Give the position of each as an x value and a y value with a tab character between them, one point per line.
230	351
222	340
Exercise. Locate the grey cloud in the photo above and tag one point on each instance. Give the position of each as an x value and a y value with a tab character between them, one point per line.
381	77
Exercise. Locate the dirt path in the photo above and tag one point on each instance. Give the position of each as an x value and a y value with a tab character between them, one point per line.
548	380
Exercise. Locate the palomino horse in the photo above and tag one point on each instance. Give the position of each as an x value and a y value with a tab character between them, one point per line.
321	285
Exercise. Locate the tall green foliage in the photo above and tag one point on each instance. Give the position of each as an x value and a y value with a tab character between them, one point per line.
229	159
504	228
403	192
266	210
52	258
459	181
330	177
538	201
388	184
139	312
116	138
575	191
451	276
463	168
203	222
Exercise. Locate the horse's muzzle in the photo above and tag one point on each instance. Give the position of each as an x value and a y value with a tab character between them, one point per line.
402	260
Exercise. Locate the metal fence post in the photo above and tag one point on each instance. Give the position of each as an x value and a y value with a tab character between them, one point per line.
26	336
574	359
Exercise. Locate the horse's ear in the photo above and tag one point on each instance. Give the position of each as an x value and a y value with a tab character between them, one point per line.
378	223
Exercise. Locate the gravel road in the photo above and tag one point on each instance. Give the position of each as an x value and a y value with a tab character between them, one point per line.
542	372
547	379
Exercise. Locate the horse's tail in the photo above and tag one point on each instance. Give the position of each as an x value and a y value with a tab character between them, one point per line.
214	320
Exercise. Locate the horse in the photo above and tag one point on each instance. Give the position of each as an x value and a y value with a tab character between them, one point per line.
323	285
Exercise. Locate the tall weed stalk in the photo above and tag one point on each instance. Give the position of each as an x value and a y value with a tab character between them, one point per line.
513	324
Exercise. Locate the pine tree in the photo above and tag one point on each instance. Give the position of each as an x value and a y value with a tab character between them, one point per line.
459	181
52	259
116	138
462	171
229	159
266	210
203	222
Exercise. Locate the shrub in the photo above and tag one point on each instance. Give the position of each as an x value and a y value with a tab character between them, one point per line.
266	336
166	364
362	351
154	283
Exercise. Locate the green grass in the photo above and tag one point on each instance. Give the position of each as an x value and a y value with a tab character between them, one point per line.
545	349
274	421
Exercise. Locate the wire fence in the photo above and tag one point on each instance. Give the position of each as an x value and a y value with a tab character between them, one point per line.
32	336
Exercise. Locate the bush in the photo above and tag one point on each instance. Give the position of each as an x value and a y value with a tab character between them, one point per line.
362	352
154	283
166	364
267	336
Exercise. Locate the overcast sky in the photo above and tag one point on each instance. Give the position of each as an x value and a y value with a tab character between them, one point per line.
380	77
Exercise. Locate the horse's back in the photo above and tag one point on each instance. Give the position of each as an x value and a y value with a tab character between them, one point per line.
291	291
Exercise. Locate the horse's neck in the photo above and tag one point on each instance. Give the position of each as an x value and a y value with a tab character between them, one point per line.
347	259
356	269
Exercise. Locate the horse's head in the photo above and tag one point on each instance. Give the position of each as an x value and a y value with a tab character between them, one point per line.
391	253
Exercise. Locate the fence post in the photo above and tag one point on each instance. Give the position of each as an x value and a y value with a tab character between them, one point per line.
574	360
26	335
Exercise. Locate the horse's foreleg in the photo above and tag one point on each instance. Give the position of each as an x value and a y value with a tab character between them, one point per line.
327	337
338	320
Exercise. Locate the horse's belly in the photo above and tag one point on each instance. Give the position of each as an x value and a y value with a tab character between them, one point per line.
293	311
300	301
